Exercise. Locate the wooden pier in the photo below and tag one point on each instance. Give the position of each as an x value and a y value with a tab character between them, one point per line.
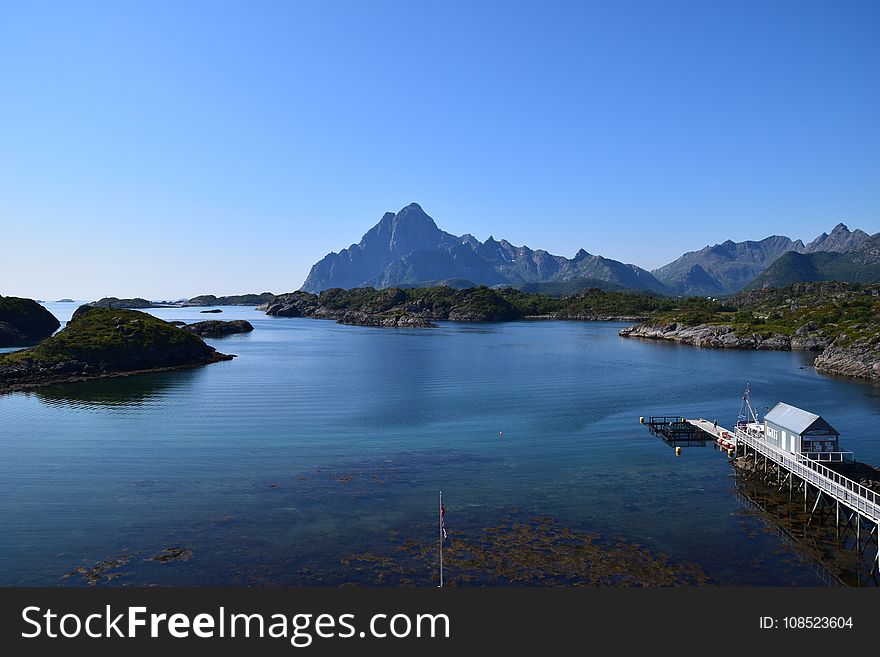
675	430
826	493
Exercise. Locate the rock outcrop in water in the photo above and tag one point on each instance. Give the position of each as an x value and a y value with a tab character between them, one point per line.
115	302
24	322
232	300
101	342
214	328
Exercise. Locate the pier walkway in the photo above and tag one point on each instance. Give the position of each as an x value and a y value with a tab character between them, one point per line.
841	489
851	504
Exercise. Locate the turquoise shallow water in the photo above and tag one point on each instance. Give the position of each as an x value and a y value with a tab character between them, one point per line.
322	440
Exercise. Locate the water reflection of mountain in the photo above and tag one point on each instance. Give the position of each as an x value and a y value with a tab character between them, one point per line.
114	392
821	546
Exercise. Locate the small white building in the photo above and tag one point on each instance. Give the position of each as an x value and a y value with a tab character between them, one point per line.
798	431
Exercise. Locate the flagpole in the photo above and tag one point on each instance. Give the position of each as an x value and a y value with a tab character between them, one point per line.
440	523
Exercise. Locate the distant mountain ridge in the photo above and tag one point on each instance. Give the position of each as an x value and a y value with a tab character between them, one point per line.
731	266
407	249
861	265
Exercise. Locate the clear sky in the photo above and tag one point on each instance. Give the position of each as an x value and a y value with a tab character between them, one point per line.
167	149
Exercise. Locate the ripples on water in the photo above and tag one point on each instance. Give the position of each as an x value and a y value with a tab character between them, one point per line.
322	441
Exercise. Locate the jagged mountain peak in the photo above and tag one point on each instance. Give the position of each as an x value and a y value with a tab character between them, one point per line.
407	248
840	240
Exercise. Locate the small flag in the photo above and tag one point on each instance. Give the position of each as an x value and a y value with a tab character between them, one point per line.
443	519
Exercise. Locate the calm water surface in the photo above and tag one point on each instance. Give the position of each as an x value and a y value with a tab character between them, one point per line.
321	440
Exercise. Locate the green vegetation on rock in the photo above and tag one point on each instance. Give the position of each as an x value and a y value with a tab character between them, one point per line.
840	320
833	310
102	342
483	304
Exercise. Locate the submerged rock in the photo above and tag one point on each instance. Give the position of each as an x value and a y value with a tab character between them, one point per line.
213	310
172	554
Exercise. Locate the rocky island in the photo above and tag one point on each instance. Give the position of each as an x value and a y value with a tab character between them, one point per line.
396	307
419	307
115	302
233	300
24	322
201	300
103	342
214	328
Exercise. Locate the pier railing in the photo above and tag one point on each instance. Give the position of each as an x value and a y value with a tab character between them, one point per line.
830	457
845	490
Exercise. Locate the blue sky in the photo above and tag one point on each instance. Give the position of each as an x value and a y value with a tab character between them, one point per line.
167	149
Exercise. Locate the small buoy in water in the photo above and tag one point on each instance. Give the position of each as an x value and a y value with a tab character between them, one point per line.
501	434
730	453
642	420
678	451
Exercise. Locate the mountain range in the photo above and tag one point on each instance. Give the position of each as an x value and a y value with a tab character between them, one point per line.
730	266
407	249
861	265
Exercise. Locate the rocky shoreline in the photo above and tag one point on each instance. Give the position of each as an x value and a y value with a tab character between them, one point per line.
587	317
46	377
721	336
353	318
859	359
855	359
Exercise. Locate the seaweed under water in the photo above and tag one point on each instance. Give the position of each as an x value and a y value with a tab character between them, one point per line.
537	551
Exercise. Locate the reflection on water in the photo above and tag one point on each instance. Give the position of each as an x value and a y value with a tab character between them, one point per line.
115	392
821	546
